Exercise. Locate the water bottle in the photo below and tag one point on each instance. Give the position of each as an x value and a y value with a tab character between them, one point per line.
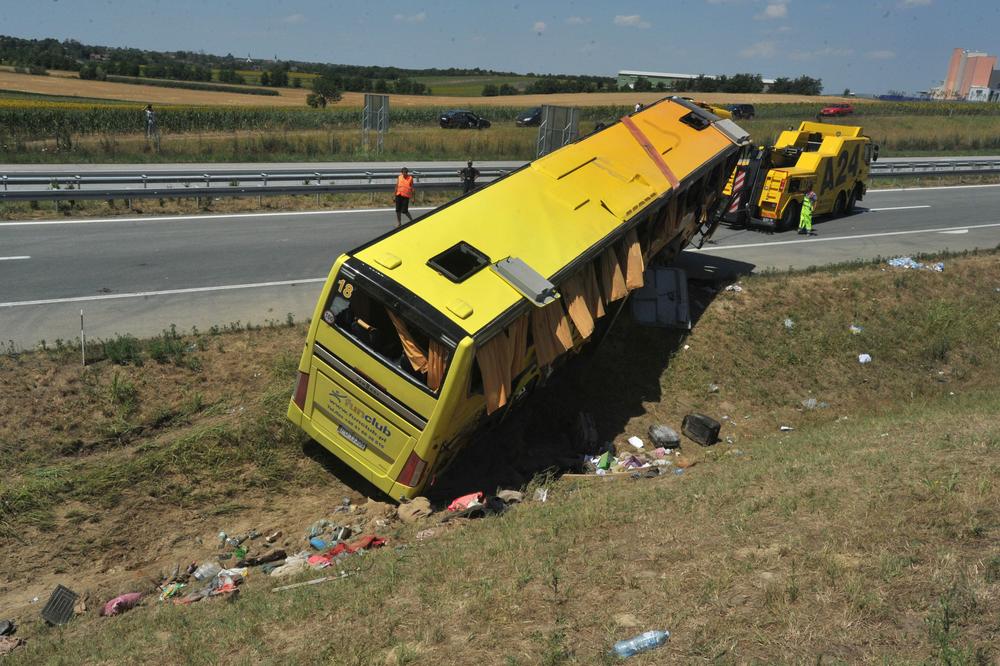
640	643
206	571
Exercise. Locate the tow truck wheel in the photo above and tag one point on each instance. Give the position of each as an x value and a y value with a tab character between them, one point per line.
840	205
790	219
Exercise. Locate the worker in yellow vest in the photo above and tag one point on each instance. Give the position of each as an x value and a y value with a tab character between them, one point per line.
806	217
404	192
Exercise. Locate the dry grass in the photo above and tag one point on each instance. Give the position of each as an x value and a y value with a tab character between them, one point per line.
62	85
867	535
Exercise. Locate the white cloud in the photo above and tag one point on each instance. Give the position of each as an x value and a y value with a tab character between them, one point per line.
419	17
293	19
632	21
914	3
539	27
825	52
883	54
759	50
578	20
774	10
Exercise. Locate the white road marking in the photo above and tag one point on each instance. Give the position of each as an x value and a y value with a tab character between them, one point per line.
165	292
719	248
172	218
14	258
936	187
875	210
955	231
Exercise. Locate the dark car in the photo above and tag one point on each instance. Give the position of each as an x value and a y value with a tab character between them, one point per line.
742	111
530	118
460	119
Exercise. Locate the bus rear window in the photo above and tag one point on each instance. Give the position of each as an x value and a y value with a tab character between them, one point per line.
389	336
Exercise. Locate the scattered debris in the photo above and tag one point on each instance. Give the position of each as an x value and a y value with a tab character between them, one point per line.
702	429
908	262
541	495
273	536
121	603
864	358
713	388
734	288
59	608
785	428
636	442
641	643
414	510
664	436
789	324
511	496
465	501
423	535
7	627
855	329
8	644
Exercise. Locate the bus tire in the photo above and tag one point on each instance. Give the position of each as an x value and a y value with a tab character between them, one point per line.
840	205
790	220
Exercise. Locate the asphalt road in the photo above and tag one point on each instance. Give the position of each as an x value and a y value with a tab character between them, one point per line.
139	275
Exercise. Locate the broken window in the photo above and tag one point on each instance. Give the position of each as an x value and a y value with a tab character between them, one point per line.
387	335
459	262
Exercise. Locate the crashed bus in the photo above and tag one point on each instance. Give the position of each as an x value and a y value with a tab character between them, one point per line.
432	331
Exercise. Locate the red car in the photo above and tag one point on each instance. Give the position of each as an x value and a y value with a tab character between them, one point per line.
842	109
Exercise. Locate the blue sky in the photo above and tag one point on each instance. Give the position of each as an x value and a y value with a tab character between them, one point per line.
868	46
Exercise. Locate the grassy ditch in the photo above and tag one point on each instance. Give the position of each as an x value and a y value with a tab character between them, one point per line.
869	533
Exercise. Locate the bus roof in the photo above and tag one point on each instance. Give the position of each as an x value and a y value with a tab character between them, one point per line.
549	212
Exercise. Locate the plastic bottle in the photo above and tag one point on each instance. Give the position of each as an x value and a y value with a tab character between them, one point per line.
206	571
640	643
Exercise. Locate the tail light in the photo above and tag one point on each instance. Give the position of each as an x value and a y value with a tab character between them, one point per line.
413	471
301	389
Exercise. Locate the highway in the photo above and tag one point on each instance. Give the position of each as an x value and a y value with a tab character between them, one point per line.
139	275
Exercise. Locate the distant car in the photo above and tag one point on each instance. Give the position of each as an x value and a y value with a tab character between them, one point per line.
742	111
841	109
530	118
461	119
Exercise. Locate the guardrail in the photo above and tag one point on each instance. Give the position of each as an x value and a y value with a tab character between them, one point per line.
196	184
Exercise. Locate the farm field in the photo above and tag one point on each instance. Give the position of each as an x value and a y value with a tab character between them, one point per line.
866	534
470	86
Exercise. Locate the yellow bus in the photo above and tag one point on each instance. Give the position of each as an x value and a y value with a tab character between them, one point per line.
428	333
770	183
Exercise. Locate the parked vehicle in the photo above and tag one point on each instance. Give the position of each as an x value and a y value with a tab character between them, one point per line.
839	109
462	119
742	111
530	118
767	187
432	331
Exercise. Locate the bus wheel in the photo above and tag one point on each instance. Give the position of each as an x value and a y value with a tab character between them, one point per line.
840	205
790	219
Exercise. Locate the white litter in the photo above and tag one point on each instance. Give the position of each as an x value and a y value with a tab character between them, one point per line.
735	288
635	441
864	358
786	428
855	329
541	494
789	324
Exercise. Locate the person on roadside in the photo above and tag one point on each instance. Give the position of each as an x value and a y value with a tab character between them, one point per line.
806	216
469	175
638	107
404	192
150	121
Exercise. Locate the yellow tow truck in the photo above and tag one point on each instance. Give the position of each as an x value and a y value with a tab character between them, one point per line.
767	187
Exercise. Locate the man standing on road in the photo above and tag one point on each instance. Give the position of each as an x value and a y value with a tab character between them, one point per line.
806	217
404	192
469	175
150	122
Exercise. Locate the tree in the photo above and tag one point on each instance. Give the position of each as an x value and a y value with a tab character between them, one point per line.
847	92
296	82
265	78
490	90
642	85
507	89
327	87
316	101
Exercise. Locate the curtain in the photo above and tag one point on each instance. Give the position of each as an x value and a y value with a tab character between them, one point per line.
517	333
574	294
412	350
592	292
633	260
612	279
550	331
437	359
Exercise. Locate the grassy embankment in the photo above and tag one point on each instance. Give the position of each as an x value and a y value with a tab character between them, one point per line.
868	534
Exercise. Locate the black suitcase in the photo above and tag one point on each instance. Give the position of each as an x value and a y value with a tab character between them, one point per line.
702	429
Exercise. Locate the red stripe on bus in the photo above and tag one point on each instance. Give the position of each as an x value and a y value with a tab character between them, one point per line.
651	151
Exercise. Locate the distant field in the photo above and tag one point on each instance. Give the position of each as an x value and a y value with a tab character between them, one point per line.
470	86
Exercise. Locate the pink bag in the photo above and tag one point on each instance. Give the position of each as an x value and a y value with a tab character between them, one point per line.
465	501
122	603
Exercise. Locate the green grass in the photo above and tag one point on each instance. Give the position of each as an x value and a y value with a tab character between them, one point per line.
41	97
471	86
866	535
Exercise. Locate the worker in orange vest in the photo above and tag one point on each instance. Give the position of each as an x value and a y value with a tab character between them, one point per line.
404	192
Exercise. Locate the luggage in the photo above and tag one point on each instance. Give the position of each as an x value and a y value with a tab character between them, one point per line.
702	429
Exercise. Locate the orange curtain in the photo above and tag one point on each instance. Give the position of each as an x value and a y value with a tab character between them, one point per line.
550	331
574	293
664	229
412	350
633	260
494	364
592	292
437	359
612	279
517	334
